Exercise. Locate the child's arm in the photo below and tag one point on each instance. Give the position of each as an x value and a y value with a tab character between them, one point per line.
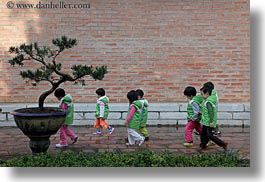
101	109
64	106
196	111
131	113
146	104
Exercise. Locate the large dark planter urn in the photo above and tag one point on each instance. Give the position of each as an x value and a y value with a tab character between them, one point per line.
39	125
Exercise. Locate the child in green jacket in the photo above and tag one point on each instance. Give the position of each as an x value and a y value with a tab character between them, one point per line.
215	100
144	114
208	120
102	112
133	119
193	114
66	102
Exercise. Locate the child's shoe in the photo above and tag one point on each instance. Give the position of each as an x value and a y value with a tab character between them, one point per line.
75	139
146	139
128	144
217	132
188	144
141	142
98	132
111	130
210	143
225	146
58	145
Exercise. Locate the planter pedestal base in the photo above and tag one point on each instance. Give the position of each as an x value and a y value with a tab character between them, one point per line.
39	145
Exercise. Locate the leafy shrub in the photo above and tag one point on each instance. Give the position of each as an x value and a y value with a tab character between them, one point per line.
145	158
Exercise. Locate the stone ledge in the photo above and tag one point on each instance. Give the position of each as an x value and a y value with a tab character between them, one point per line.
167	107
90	122
159	113
243	115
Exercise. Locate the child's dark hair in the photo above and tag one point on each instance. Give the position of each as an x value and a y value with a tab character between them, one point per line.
131	95
100	91
209	84
190	91
140	93
59	92
206	89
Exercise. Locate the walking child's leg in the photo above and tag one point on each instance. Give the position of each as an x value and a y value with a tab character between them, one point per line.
131	139
215	139
198	127
137	136
204	137
143	131
70	133
63	140
188	131
105	125
97	126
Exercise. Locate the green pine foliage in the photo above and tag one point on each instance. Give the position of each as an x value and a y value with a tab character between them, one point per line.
49	69
47	58
144	158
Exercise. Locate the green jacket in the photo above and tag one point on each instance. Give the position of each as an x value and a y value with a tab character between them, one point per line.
144	112
213	97
68	100
102	107
190	112
207	108
135	121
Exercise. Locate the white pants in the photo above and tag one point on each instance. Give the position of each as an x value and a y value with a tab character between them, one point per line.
133	136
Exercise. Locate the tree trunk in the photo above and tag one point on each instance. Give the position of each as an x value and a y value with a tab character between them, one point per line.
45	95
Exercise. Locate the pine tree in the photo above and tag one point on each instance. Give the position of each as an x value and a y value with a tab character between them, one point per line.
50	70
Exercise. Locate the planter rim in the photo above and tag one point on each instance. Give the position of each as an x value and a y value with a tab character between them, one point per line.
18	113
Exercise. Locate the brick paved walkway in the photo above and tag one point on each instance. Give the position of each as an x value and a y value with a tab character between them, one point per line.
13	142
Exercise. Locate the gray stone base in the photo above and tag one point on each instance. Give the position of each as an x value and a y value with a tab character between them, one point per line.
229	114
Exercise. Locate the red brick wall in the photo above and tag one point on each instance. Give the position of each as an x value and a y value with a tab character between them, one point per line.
159	46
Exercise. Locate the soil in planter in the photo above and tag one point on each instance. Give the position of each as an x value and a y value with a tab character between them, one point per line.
40	110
